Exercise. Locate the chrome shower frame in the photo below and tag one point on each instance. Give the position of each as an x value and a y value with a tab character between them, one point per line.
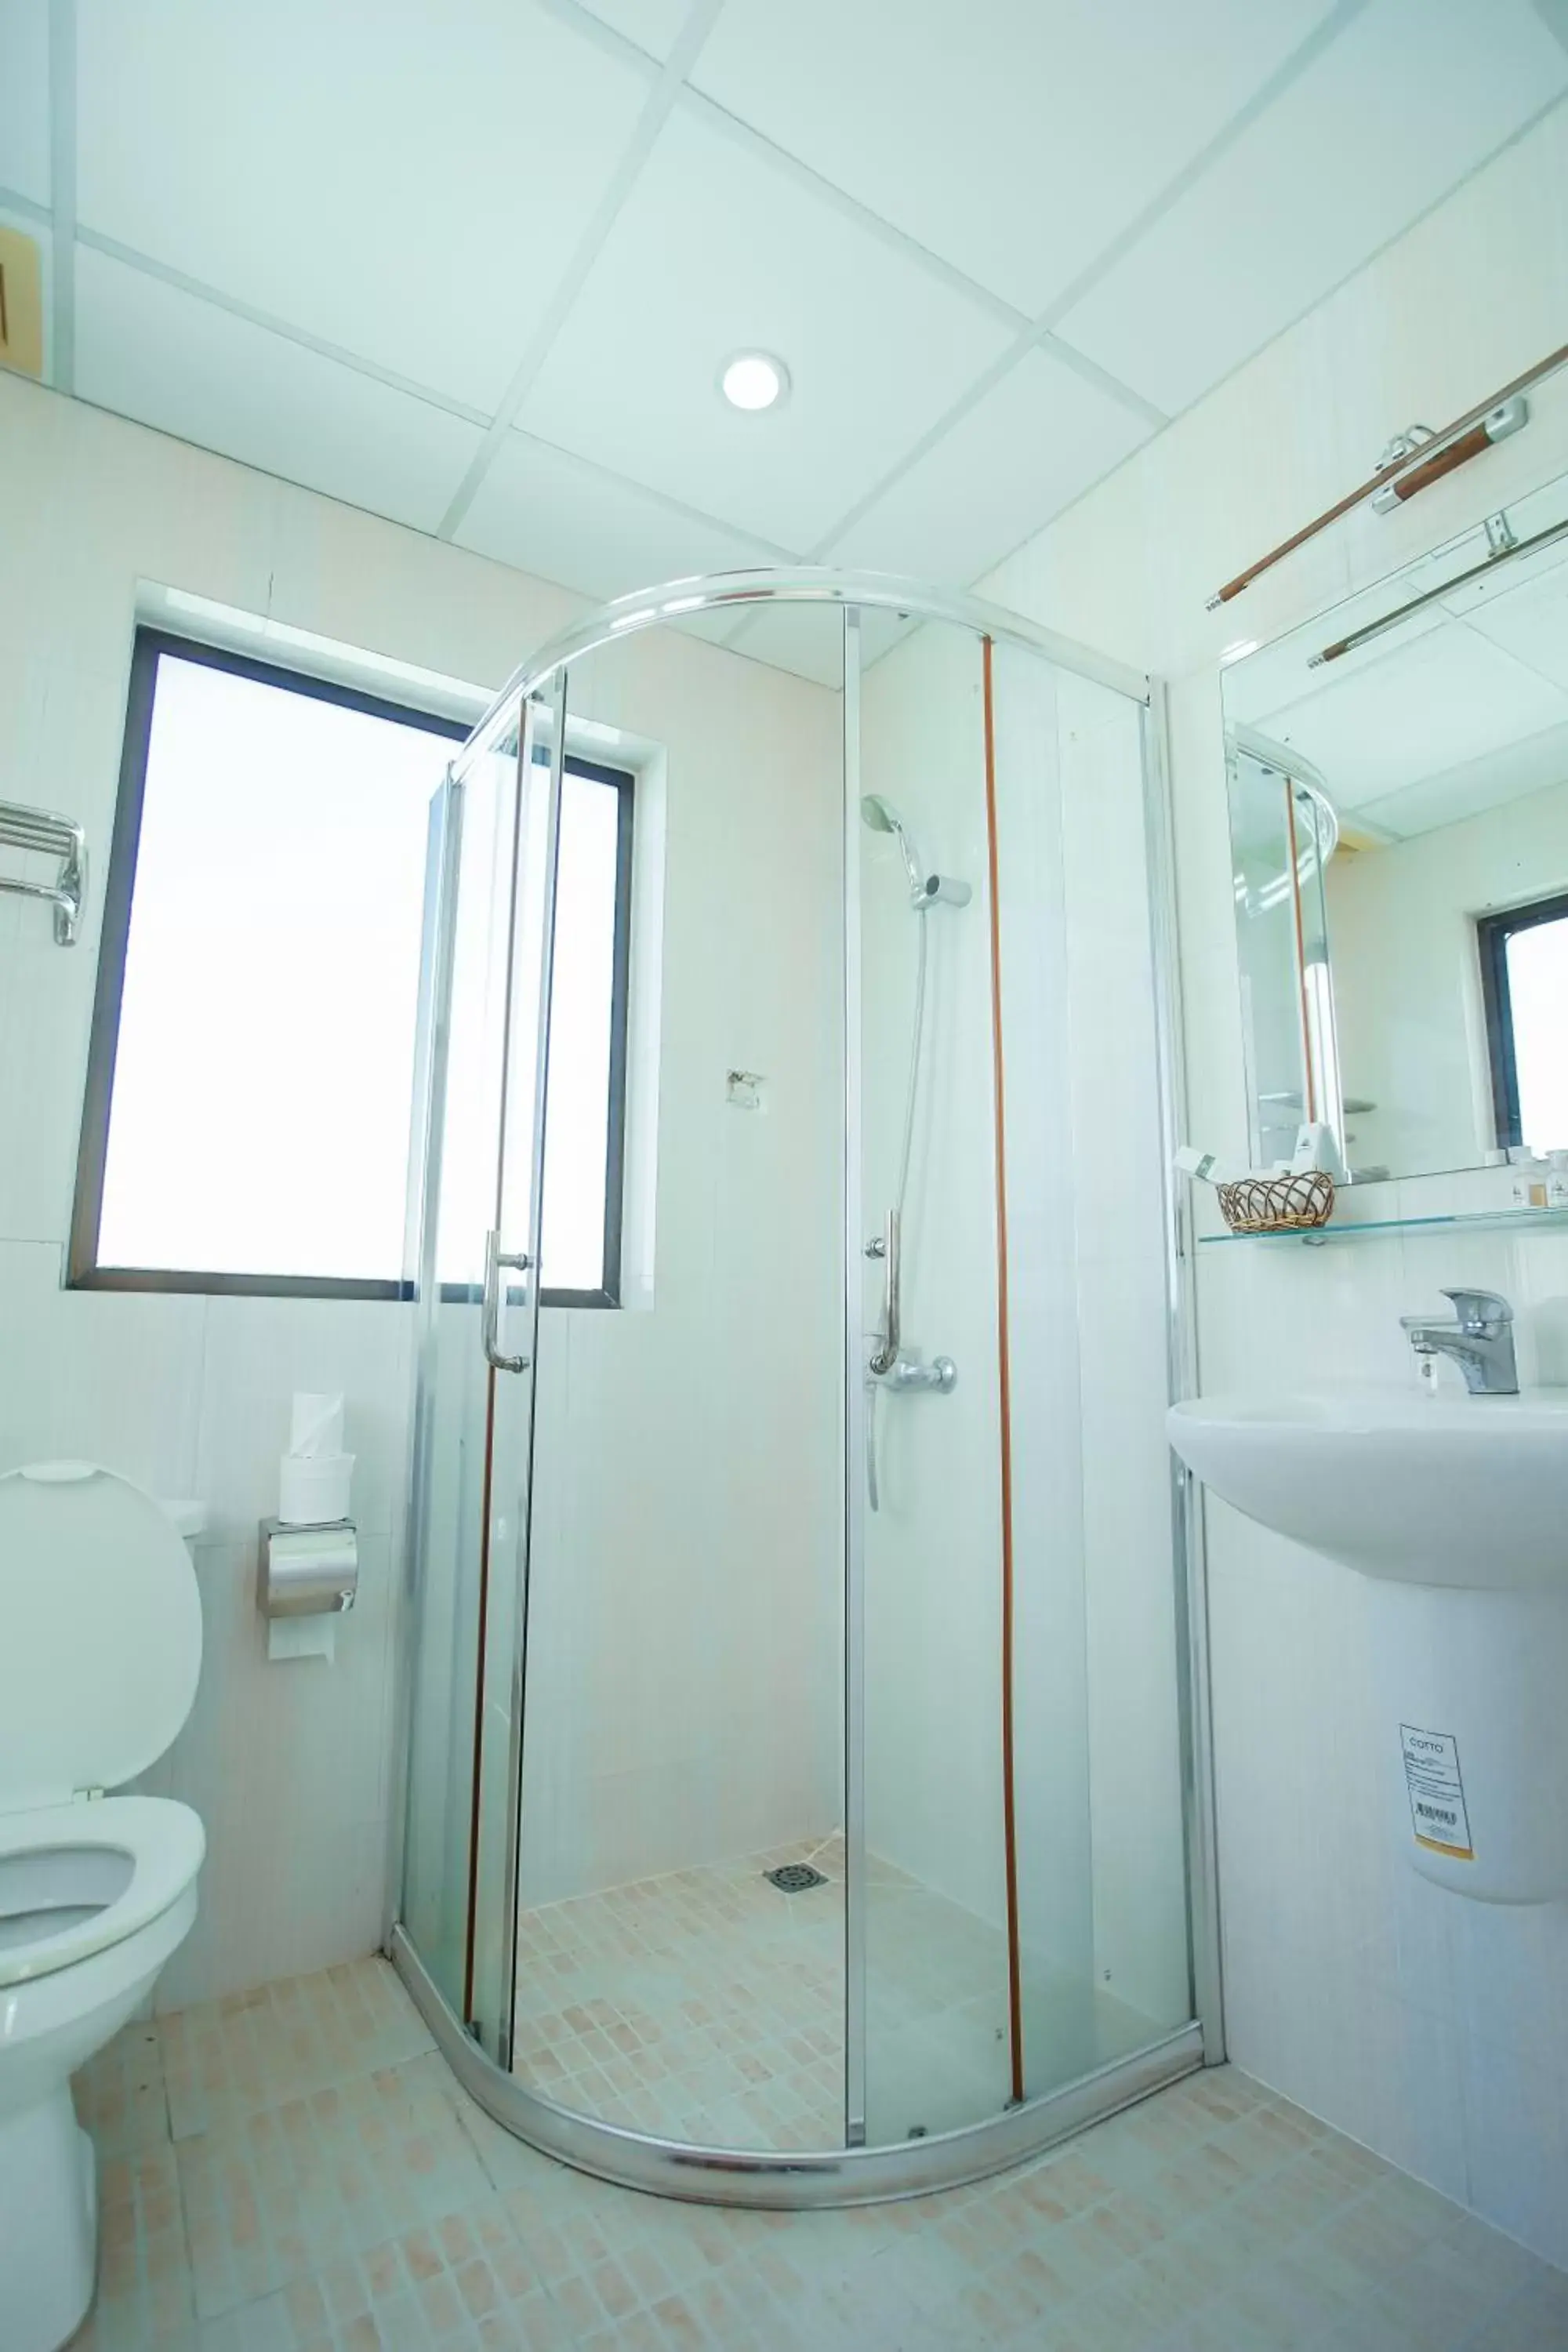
856	2173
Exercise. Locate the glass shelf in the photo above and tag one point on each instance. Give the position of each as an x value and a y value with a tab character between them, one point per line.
1474	1220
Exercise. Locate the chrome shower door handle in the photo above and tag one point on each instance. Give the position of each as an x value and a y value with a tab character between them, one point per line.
495	1260
885	1357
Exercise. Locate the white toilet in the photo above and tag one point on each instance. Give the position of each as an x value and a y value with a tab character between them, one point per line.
100	1644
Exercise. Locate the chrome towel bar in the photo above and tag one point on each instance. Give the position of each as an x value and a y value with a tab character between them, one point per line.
50	836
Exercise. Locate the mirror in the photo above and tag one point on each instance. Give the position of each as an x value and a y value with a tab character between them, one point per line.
1398	786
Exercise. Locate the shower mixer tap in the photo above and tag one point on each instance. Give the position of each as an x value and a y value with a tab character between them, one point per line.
888	1365
909	1373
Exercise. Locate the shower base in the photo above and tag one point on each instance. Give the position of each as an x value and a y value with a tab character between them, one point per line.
707	2006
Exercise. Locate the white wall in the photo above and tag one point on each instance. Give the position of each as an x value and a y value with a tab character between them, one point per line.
1434	2030
288	1764
1407	985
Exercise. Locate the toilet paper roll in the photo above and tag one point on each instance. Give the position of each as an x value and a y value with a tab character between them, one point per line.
302	1637
316	1425
314	1489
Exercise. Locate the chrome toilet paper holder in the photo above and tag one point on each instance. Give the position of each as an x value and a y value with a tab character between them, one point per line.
307	1569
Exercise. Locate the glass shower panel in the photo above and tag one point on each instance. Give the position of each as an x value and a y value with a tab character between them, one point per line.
516	1277
1103	1960
1141	1932
683	1731
451	1450
938	2040
475	1385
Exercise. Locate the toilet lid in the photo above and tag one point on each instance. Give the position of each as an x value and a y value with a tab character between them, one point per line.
100	1632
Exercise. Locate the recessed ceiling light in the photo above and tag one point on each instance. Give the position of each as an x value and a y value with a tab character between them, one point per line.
753	380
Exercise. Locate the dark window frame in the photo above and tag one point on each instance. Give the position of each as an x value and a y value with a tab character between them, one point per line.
608	1293
1493	933
83	1271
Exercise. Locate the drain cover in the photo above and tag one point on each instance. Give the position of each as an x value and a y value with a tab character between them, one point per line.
794	1877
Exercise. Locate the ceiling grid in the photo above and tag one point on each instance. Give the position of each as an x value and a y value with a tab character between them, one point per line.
516	241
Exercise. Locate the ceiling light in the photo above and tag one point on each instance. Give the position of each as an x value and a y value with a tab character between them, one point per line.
753	380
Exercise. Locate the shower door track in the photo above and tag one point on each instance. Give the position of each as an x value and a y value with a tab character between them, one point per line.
796	2181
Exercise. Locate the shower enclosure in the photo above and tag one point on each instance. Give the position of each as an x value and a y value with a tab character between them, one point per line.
805	1754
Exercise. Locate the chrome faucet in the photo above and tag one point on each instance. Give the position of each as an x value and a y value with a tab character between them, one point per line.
1479	1338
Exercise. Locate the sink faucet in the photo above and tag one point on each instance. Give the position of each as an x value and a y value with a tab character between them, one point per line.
1479	1338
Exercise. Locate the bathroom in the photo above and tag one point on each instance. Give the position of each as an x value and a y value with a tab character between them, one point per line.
771	573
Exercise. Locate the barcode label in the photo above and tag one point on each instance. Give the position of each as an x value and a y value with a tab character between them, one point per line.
1436	1790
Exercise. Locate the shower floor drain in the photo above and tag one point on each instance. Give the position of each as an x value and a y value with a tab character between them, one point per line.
794	1877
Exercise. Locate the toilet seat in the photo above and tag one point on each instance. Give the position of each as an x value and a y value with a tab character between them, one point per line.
100	1632
100	1644
161	1842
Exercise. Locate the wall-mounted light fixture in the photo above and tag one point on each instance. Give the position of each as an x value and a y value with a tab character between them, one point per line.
1498	422
1412	461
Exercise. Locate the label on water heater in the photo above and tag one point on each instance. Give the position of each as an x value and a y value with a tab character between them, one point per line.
1437	1793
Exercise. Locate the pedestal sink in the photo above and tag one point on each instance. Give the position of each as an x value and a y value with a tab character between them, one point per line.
1456	1511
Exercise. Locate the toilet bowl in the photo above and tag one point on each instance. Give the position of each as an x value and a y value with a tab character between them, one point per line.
100	1644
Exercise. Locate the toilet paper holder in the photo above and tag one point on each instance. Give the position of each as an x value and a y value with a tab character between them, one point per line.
307	1570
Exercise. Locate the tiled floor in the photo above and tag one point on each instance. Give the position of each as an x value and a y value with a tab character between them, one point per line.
706	2005
296	2171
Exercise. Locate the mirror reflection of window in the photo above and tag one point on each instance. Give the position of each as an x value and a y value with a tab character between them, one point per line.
1524	965
1432	709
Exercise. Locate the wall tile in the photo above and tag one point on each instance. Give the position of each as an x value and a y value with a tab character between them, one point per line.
1434	2028
114	1378
285	1762
259	1350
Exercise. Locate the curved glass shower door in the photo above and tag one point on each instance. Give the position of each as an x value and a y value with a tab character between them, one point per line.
684	1730
836	1833
1025	1905
478	1315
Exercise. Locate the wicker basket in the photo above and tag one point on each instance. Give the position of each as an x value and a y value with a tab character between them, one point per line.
1276	1205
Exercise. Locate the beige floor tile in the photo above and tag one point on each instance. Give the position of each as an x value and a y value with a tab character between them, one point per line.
278	2196
119	2094
707	2005
224	2059
145	2300
320	2201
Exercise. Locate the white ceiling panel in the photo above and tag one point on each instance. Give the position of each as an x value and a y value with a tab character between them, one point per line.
1508	774
25	98
1530	621
406	182
805	638
1015	140
153	353
1400	717
653	25
550	514
1409	100
715	251
1037	440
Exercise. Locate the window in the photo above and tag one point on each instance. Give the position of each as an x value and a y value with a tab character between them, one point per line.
1524	979
255	1040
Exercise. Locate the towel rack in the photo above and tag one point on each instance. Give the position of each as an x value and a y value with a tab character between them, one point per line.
51	836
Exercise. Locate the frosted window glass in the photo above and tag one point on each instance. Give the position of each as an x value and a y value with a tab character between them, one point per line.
264	1071
260	1115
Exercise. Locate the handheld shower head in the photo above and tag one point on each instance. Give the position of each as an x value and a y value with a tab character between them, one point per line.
925	889
880	816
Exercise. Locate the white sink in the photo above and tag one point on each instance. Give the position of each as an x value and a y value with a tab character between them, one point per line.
1466	1490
